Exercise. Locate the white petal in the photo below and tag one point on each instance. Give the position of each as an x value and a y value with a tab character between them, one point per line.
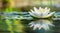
50	24
31	25
39	15
31	10
40	8
49	9
51	14
35	27
46	27
34	14
46	16
35	9
46	8
46	11
40	27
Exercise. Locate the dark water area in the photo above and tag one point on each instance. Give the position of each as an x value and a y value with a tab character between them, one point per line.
53	29
57	26
48	25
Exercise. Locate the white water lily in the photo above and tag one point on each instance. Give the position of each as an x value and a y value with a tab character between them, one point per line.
41	12
45	24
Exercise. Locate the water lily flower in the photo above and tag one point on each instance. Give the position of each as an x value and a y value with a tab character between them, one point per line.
45	24
41	12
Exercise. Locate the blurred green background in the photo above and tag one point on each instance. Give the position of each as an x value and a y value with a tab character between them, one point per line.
26	5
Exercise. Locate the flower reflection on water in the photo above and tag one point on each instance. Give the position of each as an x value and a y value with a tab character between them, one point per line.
41	24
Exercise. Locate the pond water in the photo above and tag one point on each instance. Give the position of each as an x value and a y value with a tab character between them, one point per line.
45	25
29	26
38	26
